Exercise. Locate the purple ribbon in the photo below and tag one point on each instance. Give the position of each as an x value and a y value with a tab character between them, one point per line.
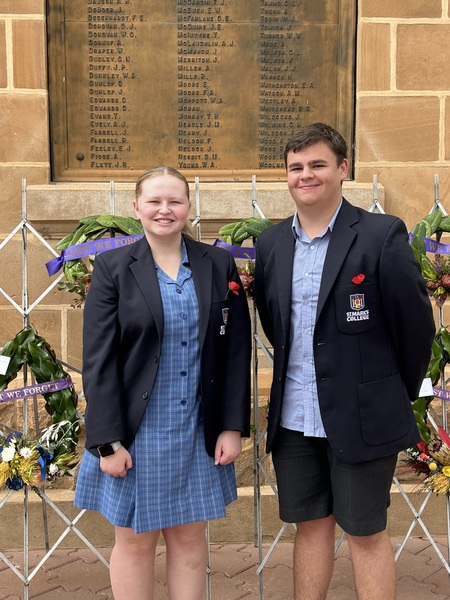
39	388
441	393
88	249
433	246
236	251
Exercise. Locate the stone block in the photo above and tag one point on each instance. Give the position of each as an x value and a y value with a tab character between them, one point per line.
11	185
24	123
420	50
447	129
409	190
397	129
401	9
3	65
29	54
38	281
18	7
374	68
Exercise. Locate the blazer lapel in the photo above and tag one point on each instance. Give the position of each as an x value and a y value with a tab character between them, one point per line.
144	271
201	268
340	242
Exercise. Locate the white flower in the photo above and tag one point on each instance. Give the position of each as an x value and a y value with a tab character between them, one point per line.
53	469
8	453
26	452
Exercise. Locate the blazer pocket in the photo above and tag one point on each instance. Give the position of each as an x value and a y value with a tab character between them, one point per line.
384	410
356	308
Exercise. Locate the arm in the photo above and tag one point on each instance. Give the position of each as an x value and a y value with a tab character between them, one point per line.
259	287
407	307
236	392
101	370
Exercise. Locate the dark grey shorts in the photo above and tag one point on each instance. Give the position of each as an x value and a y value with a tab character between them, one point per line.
313	484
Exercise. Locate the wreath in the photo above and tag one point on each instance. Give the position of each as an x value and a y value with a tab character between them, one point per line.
77	273
25	461
430	458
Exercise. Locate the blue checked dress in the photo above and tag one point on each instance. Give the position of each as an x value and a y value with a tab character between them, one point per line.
173	480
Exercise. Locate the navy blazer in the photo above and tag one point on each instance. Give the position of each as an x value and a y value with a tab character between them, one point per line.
122	336
369	361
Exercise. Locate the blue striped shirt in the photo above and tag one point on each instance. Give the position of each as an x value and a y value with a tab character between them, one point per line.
300	410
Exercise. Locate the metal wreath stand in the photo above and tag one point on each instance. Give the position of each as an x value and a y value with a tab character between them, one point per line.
259	455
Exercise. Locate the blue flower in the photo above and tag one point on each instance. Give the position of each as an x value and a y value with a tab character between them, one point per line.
14	484
15	435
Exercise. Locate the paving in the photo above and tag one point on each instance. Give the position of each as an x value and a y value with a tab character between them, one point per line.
78	574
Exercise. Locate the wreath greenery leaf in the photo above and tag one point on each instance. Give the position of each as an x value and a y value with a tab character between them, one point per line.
27	347
77	273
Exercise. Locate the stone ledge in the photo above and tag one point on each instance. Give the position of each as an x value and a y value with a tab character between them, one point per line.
238	527
220	201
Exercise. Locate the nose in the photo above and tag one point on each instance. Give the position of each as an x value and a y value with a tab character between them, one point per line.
164	208
307	172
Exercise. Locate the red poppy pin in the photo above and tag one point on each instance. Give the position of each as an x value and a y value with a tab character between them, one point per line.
232	287
358	278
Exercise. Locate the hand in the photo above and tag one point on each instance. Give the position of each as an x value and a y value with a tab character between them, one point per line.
117	464
228	447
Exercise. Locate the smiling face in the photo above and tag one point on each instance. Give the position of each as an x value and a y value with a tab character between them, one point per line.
315	178
162	206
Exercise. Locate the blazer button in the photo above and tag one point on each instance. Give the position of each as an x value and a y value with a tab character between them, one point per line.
145	395
156	359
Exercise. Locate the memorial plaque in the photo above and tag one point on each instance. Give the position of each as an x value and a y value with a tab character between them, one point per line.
212	87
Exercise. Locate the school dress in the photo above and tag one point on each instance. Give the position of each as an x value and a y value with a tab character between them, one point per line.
173	480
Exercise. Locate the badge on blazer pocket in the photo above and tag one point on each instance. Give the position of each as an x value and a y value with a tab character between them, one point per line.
220	314
356	307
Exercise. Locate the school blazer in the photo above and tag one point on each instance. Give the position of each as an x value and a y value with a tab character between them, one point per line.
372	340
122	335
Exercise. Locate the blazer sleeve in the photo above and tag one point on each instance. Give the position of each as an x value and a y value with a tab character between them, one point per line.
260	287
236	393
407	307
104	417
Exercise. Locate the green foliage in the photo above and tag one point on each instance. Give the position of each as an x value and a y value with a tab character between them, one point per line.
27	347
235	233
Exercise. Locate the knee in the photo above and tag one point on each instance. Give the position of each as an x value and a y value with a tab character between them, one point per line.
136	544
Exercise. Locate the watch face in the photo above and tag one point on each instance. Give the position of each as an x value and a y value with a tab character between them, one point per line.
105	450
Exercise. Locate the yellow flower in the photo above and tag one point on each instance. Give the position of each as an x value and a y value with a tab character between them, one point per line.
446	471
433	466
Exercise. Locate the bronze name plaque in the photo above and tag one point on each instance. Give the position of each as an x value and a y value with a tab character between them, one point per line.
212	87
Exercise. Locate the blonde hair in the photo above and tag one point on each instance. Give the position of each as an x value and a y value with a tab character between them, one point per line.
188	229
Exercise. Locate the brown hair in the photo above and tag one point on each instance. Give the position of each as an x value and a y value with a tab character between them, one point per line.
314	133
156	172
188	229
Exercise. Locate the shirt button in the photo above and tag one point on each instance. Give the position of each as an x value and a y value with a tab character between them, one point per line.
312	247
179	291
183	402
183	315
184	343
183	373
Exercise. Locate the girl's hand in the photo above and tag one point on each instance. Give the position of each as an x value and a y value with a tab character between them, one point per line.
117	464
228	447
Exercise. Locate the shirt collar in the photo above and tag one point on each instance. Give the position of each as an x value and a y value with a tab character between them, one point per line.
298	231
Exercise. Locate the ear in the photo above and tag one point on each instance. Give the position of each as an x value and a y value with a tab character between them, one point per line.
343	169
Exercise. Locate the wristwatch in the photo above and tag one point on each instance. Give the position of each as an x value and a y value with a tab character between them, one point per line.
109	449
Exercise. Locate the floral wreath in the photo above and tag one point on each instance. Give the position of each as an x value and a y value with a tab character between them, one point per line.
436	272
430	458
25	461
78	272
231	237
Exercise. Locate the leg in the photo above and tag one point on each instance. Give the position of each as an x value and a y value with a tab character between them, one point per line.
132	564
187	556
373	566
313	558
